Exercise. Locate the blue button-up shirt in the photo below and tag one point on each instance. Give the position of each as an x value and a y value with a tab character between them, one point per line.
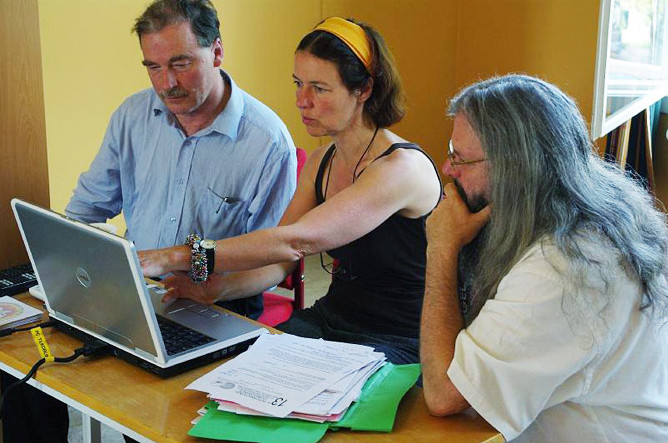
233	177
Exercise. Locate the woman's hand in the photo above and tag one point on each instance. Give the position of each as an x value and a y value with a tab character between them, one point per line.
451	225
180	285
157	262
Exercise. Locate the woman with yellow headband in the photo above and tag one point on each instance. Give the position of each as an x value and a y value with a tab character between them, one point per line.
363	199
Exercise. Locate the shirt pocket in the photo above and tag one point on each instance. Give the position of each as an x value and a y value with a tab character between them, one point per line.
220	215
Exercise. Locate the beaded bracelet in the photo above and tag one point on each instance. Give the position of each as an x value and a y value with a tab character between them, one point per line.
198	261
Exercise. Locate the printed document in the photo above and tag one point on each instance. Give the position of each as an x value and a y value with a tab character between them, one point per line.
281	373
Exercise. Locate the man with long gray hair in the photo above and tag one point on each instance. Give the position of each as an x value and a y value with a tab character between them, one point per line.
566	338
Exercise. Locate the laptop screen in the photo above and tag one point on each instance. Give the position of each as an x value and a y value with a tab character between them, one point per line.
87	277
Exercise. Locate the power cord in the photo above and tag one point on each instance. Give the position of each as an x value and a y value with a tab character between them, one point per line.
93	348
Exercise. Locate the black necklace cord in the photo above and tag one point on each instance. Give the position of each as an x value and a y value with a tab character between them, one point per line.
355	175
329	172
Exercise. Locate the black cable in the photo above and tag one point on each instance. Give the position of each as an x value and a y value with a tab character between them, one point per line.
95	347
10	331
46	324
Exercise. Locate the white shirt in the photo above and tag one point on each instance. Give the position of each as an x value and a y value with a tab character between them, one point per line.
539	375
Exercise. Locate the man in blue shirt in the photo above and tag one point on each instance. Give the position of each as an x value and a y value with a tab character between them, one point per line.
195	153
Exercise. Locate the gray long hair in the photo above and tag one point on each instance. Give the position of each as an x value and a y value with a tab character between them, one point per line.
547	181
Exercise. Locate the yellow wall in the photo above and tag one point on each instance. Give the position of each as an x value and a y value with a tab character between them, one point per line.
91	62
421	35
260	37
553	39
441	46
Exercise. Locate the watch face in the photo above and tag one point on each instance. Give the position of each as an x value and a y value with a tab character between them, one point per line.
207	244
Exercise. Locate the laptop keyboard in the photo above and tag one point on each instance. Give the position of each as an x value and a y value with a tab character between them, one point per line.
179	338
17	279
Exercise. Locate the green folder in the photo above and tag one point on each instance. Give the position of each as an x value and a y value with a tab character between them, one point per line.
374	411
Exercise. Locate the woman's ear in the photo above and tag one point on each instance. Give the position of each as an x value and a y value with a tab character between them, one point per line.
364	92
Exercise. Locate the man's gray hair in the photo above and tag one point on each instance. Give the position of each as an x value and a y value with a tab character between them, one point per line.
201	15
547	181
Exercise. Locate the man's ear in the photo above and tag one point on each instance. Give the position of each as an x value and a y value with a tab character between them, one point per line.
218	53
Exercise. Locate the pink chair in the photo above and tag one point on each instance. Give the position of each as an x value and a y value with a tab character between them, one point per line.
277	307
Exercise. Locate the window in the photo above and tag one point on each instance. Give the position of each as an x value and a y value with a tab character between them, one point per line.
632	61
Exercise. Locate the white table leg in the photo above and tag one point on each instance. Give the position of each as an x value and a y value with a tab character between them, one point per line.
91	429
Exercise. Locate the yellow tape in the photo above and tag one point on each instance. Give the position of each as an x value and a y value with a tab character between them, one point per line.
42	345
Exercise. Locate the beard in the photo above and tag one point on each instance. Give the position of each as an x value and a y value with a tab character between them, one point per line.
475	203
467	273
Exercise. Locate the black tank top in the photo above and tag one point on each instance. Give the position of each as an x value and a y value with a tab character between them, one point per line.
380	280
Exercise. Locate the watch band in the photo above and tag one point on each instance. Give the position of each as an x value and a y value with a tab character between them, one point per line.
209	248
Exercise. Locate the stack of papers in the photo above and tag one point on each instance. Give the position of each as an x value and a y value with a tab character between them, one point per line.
288	376
375	411
14	313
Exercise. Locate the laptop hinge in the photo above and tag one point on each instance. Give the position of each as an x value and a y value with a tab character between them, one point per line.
144	354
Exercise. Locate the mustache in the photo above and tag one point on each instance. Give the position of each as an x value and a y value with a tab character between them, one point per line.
175	92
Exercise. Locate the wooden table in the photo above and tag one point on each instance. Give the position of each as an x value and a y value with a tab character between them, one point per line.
149	408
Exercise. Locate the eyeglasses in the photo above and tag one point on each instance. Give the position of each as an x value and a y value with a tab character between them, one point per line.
336	269
453	162
329	268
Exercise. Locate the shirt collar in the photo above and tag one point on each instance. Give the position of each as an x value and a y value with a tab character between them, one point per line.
227	122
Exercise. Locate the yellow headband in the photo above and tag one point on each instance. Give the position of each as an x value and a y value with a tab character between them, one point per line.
352	35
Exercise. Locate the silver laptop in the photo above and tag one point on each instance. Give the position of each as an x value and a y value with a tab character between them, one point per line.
94	288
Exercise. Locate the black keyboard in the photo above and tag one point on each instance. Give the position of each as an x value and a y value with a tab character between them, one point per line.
16	279
179	338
